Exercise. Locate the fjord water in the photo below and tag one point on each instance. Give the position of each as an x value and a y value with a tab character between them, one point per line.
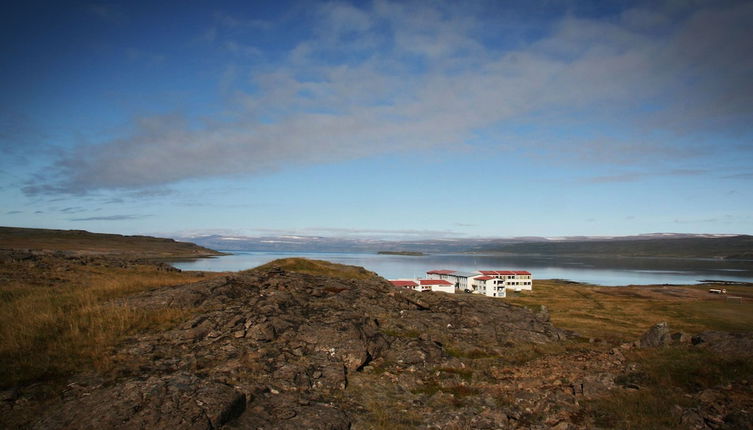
600	271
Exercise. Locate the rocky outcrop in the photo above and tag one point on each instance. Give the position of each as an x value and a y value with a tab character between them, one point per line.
739	344
659	335
275	349
180	400
278	349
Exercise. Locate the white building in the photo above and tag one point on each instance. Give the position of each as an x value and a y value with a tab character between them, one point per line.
405	283
516	280
488	286
440	285
491	283
461	280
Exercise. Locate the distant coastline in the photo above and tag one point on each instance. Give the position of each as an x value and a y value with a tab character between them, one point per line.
408	253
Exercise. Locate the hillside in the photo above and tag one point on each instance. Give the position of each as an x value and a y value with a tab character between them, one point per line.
735	247
310	344
85	243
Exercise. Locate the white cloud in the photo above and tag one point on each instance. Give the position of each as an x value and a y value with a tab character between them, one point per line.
392	77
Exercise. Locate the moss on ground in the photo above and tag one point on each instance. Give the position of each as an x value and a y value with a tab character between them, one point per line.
319	267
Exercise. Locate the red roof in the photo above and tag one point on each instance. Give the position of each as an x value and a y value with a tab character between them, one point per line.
434	282
404	283
504	272
440	272
484	278
489	272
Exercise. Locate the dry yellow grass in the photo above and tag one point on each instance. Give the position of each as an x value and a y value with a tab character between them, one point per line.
620	314
319	267
56	320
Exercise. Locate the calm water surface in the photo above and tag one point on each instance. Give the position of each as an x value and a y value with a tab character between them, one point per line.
601	271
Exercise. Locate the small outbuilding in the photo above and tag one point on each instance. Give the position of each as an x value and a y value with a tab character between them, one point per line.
441	285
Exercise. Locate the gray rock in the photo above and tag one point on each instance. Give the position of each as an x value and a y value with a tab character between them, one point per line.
278	350
177	401
657	336
740	344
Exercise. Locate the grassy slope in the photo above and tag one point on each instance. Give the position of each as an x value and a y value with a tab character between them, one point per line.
621	314
733	247
319	267
97	243
63	318
666	376
57	318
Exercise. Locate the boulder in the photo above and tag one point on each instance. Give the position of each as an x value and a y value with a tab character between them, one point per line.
656	336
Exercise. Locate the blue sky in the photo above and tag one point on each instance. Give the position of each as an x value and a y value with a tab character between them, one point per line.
378	119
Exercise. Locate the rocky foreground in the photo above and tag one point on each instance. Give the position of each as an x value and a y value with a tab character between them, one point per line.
278	349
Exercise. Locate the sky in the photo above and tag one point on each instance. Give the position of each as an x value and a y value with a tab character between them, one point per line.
380	119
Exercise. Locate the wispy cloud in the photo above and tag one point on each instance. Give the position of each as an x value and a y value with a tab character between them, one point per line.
72	210
748	175
110	218
695	221
635	176
391	77
623	177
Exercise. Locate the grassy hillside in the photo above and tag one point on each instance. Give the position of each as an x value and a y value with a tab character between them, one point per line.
621	314
723	247
63	311
678	376
70	313
319	267
84	242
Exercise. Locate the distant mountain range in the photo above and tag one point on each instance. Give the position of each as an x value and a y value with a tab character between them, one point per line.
645	245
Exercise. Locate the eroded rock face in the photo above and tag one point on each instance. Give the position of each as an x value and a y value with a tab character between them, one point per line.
180	400
277	350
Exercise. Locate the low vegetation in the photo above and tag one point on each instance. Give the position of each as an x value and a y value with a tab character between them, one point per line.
622	314
318	267
62	315
667	377
58	317
663	377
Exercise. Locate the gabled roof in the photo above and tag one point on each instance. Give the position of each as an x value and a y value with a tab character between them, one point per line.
484	278
404	283
464	274
504	272
434	282
440	272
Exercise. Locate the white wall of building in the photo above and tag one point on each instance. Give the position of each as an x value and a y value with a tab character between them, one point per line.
444	288
494	287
